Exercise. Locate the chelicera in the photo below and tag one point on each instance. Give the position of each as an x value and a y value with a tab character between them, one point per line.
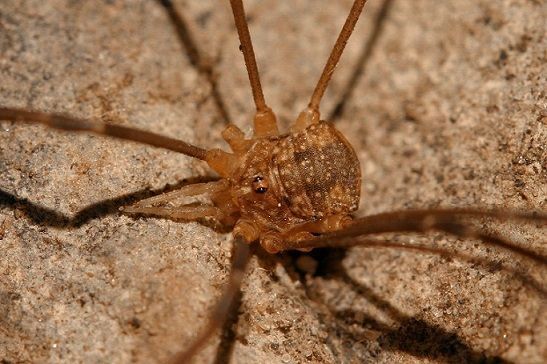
293	191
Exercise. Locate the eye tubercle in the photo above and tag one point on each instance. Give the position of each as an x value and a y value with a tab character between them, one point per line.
260	185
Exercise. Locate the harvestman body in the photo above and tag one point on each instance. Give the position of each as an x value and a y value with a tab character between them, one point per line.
292	191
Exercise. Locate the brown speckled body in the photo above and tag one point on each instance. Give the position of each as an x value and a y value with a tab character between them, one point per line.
320	172
309	175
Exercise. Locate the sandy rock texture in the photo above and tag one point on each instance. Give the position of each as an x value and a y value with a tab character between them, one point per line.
450	110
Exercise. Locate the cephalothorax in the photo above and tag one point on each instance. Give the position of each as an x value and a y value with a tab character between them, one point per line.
286	188
287	191
306	182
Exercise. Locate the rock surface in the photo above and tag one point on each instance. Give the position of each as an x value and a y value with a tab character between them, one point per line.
450	111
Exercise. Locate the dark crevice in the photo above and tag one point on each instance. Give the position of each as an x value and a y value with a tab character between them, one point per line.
325	256
45	216
228	331
196	57
362	62
408	334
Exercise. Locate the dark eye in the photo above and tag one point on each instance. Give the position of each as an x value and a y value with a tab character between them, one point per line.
260	185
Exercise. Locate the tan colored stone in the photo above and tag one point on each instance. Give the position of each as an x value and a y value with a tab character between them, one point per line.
450	112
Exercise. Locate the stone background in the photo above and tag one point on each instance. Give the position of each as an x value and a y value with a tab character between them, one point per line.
450	111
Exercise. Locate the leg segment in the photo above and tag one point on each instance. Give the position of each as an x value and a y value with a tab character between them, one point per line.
265	123
240	259
446	220
274	242
362	62
150	206
59	121
311	114
236	139
325	225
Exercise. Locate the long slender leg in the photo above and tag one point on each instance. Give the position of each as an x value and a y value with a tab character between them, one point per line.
311	114
219	313
447	220
63	122
265	123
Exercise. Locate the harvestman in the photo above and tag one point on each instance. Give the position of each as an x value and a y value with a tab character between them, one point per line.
286	191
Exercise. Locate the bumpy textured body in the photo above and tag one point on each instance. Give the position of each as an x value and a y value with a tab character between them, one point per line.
296	182
319	172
